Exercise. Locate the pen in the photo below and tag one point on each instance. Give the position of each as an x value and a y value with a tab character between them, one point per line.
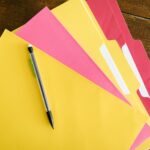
44	97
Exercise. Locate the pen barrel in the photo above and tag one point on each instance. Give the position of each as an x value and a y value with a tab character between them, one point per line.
40	83
42	90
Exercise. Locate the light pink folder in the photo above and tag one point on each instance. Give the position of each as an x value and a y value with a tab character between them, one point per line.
141	137
45	32
108	14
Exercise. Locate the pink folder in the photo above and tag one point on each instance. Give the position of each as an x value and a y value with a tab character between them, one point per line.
144	134
45	32
108	13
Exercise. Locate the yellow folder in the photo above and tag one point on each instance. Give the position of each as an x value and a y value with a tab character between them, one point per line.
76	16
85	116
145	145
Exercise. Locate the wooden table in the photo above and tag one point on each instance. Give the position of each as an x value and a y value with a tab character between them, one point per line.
14	13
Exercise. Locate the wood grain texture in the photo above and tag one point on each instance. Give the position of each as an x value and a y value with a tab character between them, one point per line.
136	7
140	29
14	13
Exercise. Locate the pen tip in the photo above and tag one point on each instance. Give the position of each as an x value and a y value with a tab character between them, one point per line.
30	49
50	118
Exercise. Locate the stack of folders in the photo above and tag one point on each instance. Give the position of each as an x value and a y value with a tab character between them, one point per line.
93	78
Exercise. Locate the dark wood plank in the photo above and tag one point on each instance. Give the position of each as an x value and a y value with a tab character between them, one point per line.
14	13
136	7
140	29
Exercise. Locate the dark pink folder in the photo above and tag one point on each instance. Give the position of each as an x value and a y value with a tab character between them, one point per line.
113	24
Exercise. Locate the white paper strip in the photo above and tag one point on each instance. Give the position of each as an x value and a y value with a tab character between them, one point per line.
112	66
132	64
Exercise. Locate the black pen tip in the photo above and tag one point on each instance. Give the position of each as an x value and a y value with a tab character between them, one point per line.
50	118
30	49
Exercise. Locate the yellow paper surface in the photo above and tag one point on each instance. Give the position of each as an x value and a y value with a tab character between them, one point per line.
145	145
80	22
85	116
